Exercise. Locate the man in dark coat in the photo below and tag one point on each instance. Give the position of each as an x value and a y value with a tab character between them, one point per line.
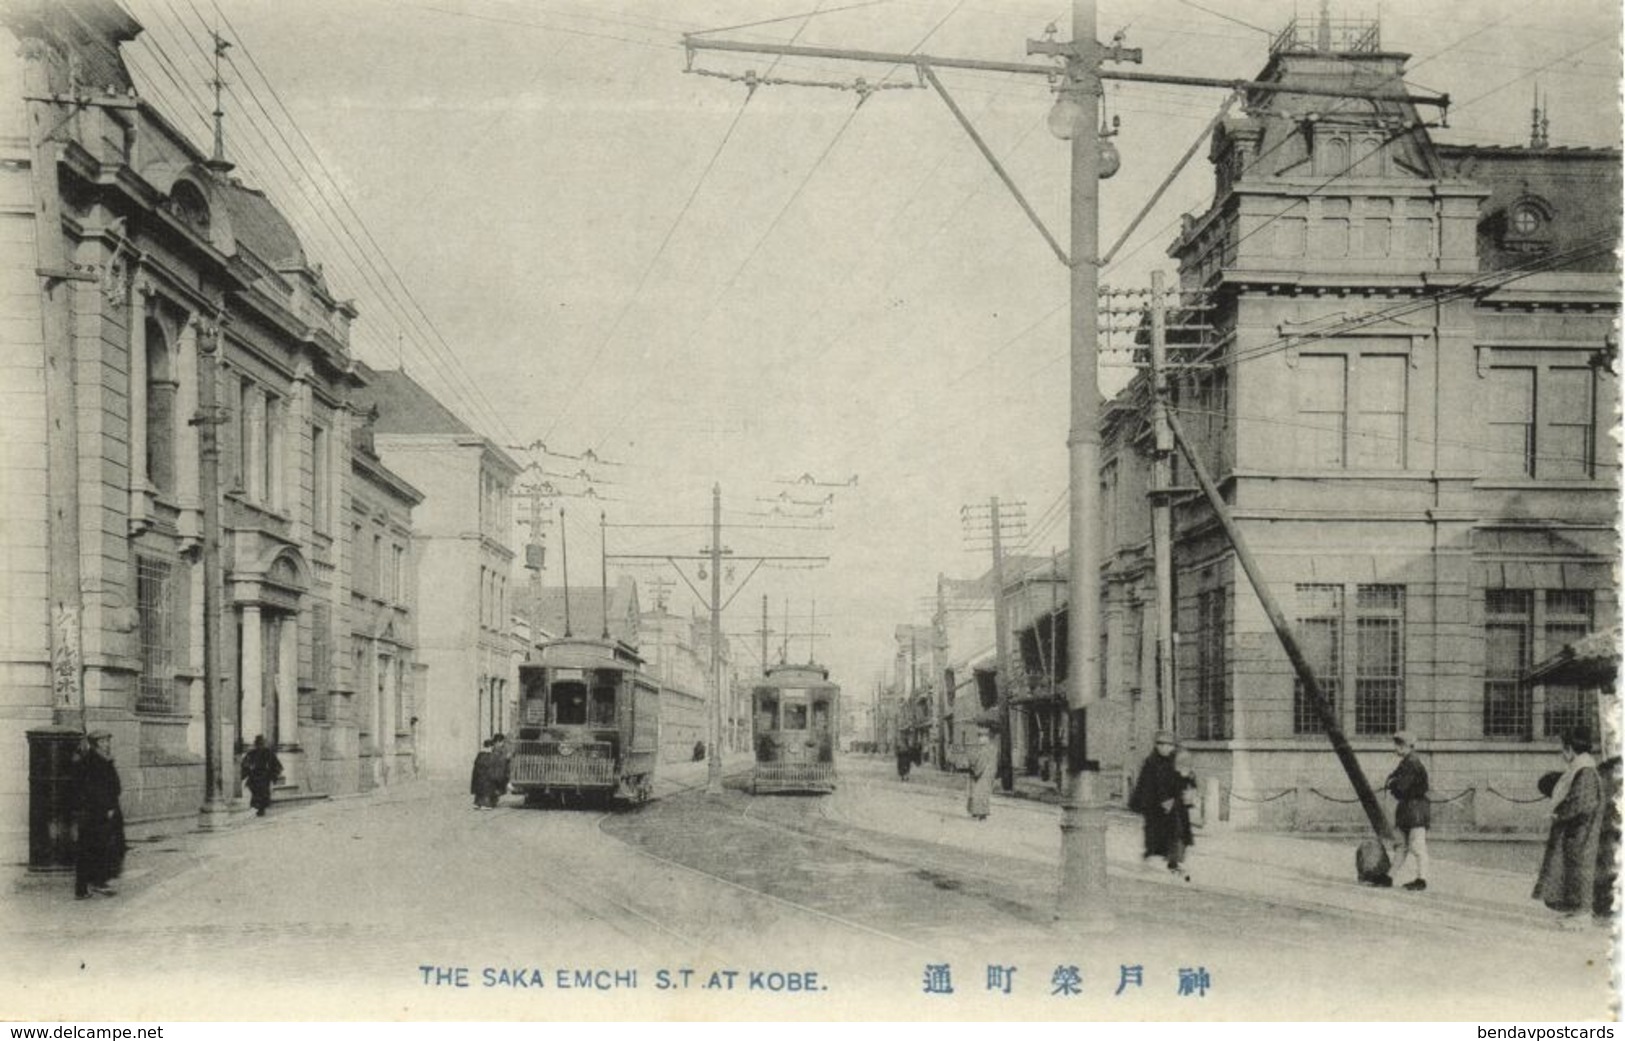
490	778
1158	798
100	848
905	757
1413	813
261	769
482	770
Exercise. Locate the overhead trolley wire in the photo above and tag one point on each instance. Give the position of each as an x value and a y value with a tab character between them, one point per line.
772	225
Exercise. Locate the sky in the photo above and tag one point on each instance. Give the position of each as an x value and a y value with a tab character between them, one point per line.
571	241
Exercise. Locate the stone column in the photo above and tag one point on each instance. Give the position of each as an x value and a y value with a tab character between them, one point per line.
252	680
295	437
287	695
188	493
390	675
138	404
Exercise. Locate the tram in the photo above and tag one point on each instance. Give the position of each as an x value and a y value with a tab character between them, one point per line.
589	724
794	729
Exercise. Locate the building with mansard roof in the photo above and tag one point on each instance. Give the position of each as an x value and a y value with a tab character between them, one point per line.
1405	390
147	281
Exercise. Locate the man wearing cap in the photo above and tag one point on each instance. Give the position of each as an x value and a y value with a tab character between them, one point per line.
1409	784
1159	798
101	832
261	769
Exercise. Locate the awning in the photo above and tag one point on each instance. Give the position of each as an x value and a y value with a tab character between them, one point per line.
1591	661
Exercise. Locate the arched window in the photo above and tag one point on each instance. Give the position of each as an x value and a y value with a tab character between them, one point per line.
161	386
190	205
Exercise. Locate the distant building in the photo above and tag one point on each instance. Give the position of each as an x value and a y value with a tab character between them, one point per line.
464	555
384	612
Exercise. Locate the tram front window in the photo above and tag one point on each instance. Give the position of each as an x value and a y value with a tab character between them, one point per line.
603	707
569	703
795	716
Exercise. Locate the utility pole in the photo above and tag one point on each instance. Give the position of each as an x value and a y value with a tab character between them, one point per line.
208	419
47	116
1082	900
713	767
1003	679
535	558
939	683
1161	508
764	634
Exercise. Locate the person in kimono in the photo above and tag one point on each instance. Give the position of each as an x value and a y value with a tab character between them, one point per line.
1569	869
984	764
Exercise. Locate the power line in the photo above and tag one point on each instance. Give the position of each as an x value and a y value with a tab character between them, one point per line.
1228	18
784	209
455	365
171	69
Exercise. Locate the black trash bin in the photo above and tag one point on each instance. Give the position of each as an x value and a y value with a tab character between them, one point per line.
50	798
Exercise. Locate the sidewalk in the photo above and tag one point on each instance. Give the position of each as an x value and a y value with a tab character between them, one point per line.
1315	873
163	849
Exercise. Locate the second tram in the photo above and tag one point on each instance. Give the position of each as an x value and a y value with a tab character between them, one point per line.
794	712
589	724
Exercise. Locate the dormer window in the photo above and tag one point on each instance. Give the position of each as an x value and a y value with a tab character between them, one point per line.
1527	224
1526	220
190	206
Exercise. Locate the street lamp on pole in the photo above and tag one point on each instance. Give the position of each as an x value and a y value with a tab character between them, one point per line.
1082	898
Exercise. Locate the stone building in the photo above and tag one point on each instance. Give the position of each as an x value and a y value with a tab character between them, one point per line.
1406	400
148	291
384	610
464	553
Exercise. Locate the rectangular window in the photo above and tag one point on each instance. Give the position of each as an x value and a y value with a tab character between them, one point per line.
1212	667
375	566
397	568
1568	618
1508	628
320	475
1377	228
1563	446
271	487
243	400
157	683
1379	659
1511	410
1379	436
1320	629
358	560
321	660
1322	390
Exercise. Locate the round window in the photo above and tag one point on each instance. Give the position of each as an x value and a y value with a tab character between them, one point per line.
1525	220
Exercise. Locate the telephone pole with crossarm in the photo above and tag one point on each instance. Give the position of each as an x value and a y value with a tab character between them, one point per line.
1082	900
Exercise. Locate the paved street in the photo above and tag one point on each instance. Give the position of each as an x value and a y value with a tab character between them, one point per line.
332	908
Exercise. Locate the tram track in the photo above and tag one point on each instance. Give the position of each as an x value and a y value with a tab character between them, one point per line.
773	898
